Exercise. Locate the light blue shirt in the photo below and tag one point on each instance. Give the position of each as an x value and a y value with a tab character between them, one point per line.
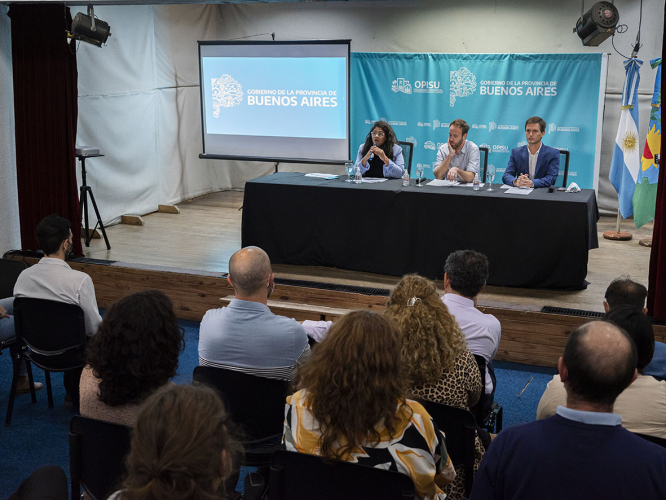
395	168
657	367
589	417
248	337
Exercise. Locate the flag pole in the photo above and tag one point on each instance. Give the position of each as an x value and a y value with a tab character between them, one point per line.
618	235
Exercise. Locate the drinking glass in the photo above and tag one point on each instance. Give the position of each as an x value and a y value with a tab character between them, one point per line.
490	175
349	166
419	175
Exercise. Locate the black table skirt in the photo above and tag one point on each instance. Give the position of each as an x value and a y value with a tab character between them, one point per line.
536	241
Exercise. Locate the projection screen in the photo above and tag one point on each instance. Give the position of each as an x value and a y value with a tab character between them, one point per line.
275	101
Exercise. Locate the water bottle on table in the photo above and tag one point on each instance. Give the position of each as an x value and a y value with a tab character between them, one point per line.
357	174
477	182
405	178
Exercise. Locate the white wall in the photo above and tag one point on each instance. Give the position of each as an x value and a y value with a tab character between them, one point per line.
10	236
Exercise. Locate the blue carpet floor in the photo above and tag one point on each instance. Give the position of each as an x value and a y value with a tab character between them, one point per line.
39	436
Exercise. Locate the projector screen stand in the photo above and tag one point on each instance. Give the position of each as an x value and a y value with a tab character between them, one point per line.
85	191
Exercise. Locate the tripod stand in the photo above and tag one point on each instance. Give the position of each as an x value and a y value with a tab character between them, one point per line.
85	191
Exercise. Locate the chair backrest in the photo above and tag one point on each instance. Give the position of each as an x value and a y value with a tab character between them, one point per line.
256	404
54	331
653	439
484	164
459	427
296	476
9	273
97	452
566	154
407	153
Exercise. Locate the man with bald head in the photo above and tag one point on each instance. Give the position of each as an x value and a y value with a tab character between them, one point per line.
582	451
246	336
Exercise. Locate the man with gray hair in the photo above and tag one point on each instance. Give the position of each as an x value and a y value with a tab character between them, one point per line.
246	336
465	275
582	451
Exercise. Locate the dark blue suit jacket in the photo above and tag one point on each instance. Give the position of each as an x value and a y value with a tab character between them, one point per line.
546	171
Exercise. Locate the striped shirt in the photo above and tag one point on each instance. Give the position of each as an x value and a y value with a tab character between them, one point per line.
247	337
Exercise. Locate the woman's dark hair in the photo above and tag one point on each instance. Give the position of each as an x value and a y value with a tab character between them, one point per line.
178	445
639	328
136	348
390	141
51	232
355	381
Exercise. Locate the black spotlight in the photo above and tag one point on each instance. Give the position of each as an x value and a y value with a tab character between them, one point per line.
597	24
89	29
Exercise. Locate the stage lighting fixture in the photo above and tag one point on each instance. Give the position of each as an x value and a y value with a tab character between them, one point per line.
597	24
88	29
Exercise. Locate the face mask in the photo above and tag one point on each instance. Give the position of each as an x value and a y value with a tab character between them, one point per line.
68	252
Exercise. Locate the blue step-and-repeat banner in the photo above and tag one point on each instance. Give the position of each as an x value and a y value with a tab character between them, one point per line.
420	94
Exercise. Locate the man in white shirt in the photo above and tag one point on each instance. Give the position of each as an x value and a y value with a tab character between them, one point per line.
52	279
465	276
458	159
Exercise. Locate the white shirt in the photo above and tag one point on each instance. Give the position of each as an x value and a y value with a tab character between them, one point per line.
533	158
53	279
482	331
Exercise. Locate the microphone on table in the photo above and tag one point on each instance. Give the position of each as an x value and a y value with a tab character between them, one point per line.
372	155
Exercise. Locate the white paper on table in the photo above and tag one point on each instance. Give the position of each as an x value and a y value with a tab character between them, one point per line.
505	186
323	176
372	180
519	190
471	184
442	182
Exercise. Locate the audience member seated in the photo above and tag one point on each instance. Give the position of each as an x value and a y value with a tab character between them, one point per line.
642	405
437	363
46	483
352	406
583	451
134	353
7	332
52	279
465	276
245	335
181	447
624	291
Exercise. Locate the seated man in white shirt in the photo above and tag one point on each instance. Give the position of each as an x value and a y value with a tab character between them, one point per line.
52	279
465	275
458	159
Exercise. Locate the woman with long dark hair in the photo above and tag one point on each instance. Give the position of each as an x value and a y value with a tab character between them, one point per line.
380	155
352	399
134	352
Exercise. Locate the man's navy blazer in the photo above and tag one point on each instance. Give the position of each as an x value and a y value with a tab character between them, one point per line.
546	171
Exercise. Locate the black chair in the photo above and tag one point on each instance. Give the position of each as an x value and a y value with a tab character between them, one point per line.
9	273
296	476
50	334
488	413
485	162
97	453
256	405
653	439
459	427
566	154
407	153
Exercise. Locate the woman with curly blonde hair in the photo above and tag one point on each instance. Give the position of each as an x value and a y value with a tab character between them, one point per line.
438	364
352	399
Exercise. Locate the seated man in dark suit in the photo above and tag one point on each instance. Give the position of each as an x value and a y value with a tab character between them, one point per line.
583	451
535	165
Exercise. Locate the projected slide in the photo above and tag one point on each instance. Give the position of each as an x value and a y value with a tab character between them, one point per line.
277	101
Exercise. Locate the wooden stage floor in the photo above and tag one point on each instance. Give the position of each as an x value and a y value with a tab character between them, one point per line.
208	231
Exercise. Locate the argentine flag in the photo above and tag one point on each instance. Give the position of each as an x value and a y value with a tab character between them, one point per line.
626	155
